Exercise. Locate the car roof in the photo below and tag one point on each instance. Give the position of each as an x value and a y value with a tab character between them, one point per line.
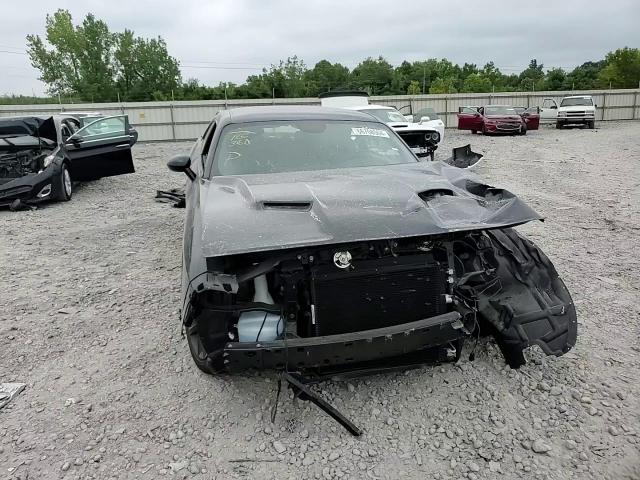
293	112
370	107
579	96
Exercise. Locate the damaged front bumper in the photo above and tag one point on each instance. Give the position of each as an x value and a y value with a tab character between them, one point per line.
345	349
30	189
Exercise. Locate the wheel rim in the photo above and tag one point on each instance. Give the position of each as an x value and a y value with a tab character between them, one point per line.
67	182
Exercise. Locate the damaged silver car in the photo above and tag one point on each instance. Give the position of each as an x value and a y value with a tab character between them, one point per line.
316	241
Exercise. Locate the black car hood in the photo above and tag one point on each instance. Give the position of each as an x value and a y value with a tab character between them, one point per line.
43	128
251	213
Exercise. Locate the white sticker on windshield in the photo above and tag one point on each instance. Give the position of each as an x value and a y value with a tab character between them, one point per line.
369	132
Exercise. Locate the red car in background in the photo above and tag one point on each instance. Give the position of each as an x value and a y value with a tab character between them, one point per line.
497	119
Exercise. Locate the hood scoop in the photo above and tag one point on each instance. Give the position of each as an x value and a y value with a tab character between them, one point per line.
428	195
282	205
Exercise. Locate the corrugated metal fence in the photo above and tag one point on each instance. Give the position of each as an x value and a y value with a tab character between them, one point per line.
187	120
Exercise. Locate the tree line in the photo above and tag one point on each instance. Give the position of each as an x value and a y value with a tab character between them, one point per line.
88	62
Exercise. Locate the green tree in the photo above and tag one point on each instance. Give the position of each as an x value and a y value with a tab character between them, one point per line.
476	83
373	75
95	64
144	66
443	85
414	88
533	77
585	76
555	79
622	69
78	62
287	79
326	76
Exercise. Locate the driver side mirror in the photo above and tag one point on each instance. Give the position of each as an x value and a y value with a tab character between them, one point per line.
72	140
182	163
424	119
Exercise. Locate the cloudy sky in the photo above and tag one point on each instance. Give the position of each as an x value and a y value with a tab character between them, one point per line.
226	40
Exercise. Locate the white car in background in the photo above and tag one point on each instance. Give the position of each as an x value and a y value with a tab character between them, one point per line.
573	110
423	138
429	118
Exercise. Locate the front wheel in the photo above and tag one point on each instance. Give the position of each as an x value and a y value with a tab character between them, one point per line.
201	357
473	132
591	124
65	184
558	125
523	130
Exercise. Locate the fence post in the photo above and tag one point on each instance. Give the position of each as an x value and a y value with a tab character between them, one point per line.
528	101
604	105
446	112
173	123
635	105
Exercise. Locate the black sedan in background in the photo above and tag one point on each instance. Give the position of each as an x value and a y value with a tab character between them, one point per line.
41	157
316	240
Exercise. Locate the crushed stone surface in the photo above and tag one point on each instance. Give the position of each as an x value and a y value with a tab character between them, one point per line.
89	304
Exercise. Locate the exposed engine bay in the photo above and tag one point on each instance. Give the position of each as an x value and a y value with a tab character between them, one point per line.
22	162
345	304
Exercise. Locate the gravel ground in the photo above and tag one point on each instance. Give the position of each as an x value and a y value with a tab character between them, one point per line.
89	321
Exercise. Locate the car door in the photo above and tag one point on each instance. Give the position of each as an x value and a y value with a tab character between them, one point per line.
531	117
469	118
549	110
101	149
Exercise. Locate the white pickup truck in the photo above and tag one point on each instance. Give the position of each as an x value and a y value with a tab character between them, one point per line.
574	110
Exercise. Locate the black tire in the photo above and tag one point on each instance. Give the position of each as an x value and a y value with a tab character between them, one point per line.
484	130
65	185
199	354
523	130
558	125
591	124
432	156
473	132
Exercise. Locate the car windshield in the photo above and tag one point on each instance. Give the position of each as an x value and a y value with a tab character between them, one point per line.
386	115
426	112
576	102
289	146
500	110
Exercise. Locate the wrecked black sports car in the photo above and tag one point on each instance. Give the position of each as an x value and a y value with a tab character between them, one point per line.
41	157
315	240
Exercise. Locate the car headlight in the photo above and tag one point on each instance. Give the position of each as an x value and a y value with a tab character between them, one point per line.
435	136
48	159
562	114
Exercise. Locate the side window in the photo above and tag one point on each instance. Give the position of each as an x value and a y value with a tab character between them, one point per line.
107	127
65	131
468	110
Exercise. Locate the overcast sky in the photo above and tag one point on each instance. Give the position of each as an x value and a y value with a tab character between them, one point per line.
226	40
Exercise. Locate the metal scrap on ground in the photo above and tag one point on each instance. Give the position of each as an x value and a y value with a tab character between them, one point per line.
8	391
